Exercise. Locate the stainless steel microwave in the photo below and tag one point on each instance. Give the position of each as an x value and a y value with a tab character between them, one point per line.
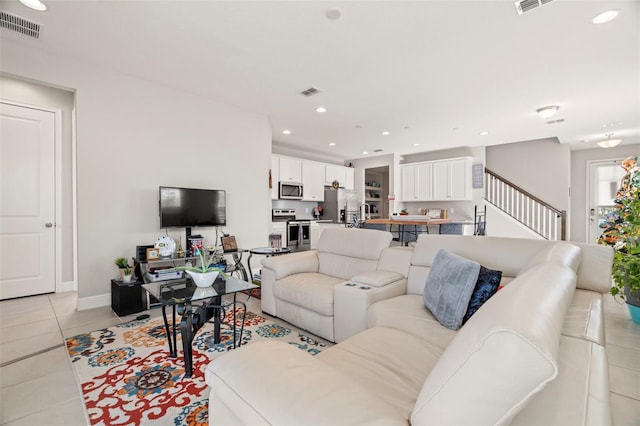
290	191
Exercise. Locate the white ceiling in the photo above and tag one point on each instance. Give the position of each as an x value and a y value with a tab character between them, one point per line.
434	73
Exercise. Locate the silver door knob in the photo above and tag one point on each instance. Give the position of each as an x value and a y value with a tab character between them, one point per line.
48	224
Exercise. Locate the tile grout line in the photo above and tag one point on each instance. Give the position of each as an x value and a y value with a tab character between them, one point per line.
40	352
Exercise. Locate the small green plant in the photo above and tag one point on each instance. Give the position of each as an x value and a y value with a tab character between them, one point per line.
126	270
121	262
622	232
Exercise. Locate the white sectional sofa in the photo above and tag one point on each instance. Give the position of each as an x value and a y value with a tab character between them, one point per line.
532	354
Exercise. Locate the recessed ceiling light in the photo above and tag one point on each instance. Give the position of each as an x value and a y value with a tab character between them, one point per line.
485	133
365	152
286	132
34	4
321	109
547	111
609	143
416	144
332	144
601	18
333	13
385	133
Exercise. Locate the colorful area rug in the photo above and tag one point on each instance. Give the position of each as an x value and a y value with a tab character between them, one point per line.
128	378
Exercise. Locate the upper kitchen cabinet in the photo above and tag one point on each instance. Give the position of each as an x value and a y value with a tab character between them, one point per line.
312	181
349	182
332	173
290	169
275	176
416	182
452	179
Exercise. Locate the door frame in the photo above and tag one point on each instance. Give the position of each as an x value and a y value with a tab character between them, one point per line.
588	200
60	286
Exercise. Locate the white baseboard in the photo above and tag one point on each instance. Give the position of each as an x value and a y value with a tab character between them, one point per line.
91	302
66	286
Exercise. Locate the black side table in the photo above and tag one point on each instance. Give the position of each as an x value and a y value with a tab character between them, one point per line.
265	251
127	298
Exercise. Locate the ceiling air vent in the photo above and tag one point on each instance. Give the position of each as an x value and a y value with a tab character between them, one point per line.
310	91
560	120
523	6
18	24
377	150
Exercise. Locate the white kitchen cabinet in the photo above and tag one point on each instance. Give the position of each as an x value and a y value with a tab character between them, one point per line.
275	176
442	180
349	182
314	234
333	172
312	181
290	169
452	179
416	182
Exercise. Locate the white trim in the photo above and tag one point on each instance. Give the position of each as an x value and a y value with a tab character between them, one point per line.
74	193
91	302
590	192
67	286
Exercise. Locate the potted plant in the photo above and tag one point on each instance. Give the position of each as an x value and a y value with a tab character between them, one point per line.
622	232
206	273
122	265
404	212
126	274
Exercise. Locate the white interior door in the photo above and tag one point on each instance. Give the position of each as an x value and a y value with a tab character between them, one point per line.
27	201
604	181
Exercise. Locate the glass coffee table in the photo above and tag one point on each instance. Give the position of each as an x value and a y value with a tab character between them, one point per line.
181	295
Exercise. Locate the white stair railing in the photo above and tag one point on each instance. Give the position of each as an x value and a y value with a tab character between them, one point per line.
535	214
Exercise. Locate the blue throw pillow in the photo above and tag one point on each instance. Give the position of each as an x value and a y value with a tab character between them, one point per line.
449	286
486	286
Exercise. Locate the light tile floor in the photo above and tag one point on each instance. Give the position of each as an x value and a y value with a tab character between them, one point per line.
38	386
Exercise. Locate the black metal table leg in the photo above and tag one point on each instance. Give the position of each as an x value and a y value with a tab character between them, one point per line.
186	331
172	343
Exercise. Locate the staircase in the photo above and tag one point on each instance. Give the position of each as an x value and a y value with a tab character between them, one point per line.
543	219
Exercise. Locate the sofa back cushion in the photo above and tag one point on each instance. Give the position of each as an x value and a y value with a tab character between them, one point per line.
346	252
504	354
509	255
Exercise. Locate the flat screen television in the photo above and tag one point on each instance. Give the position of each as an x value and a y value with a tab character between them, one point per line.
190	207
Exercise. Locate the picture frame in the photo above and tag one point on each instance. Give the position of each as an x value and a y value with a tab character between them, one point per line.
229	243
153	253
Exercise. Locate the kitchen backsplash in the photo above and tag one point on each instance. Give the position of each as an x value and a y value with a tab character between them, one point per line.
304	209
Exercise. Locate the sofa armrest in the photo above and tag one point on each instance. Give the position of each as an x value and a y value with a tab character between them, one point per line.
351	303
377	278
261	384
293	263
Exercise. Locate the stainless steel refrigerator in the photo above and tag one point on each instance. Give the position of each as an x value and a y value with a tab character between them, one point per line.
339	205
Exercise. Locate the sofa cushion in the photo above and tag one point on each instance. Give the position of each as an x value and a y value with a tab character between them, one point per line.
311	290
278	384
392	363
505	354
449	286
409	314
585	317
351	242
486	286
561	253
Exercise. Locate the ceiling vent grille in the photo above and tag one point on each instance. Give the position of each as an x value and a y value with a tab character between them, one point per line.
524	6
560	120
310	91
378	150
19	25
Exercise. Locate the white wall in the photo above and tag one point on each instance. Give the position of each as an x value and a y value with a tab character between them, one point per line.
579	186
540	167
134	135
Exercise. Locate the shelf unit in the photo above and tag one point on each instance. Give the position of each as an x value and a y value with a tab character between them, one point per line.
376	191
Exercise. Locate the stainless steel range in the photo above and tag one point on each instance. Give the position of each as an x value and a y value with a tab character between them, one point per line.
298	235
298	230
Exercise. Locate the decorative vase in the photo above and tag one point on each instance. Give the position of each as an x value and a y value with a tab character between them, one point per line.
633	304
126	278
203	279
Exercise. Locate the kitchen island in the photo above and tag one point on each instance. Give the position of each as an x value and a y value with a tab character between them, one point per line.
409	227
